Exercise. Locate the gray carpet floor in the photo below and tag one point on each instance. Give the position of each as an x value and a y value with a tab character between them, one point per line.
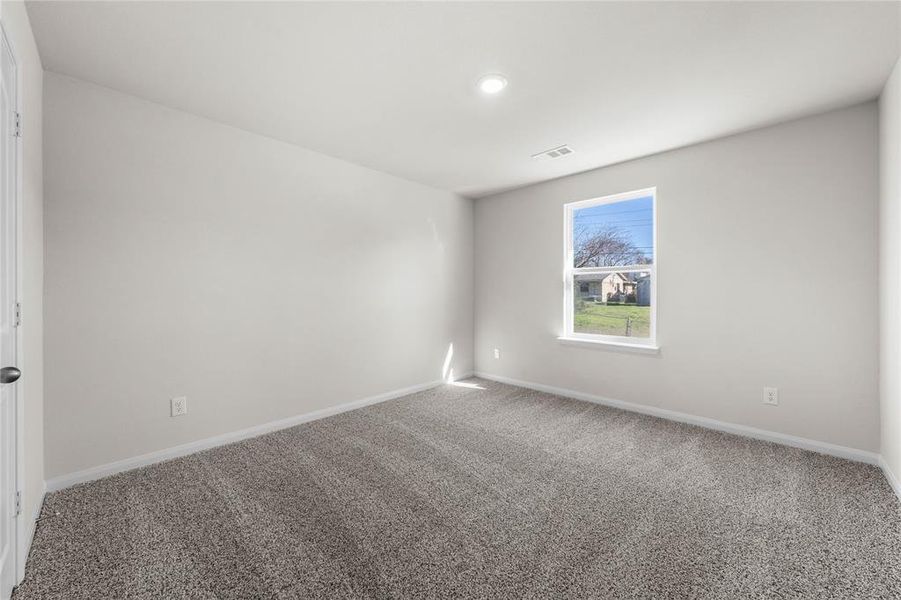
459	492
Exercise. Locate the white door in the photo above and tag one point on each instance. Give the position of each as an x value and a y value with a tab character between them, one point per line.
8	372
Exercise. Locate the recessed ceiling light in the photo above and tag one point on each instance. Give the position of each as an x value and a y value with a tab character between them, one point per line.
493	83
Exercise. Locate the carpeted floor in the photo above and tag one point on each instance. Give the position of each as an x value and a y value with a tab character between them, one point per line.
459	492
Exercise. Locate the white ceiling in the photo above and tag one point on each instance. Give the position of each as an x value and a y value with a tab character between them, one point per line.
392	86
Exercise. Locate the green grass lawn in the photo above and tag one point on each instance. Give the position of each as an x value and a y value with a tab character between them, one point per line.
611	319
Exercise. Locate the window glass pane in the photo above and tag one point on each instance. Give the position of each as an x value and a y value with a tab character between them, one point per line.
617	303
615	234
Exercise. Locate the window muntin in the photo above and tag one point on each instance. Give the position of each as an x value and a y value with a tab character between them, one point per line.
610	268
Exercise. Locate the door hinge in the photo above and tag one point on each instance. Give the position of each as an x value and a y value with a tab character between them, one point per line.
18	313
18	503
18	132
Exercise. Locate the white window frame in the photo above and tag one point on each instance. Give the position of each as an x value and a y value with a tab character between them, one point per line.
569	273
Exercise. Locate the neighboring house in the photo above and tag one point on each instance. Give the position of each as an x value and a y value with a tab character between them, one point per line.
615	287
603	286
643	290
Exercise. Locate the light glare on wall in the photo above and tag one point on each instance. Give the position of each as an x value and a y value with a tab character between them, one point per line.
492	83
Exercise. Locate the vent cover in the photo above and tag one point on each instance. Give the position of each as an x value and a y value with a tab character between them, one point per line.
557	152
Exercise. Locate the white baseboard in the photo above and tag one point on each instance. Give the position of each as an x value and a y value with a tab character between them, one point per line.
64	481
743	430
892	479
29	536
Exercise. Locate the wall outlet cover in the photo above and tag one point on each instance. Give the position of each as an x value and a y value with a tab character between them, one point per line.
771	396
179	406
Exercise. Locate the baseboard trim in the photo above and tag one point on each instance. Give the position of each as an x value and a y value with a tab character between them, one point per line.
64	481
743	430
98	472
34	518
29	537
893	481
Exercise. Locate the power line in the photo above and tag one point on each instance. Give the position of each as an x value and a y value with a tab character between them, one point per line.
608	220
613	212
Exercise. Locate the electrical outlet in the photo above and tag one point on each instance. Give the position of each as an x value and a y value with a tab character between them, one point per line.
179	406
497	353
771	396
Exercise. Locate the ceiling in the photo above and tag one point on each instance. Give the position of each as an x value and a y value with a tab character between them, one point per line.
391	86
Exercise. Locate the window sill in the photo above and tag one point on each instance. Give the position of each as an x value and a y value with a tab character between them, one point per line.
623	346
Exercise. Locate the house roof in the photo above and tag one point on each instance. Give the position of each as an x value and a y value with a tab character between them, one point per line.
627	276
597	276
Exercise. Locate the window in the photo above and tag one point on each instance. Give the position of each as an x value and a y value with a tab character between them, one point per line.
611	269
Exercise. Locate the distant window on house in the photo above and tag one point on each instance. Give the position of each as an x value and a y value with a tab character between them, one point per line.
611	268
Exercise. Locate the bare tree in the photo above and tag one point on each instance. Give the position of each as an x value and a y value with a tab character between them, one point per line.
608	247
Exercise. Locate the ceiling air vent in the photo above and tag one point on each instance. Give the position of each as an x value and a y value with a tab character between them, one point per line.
555	152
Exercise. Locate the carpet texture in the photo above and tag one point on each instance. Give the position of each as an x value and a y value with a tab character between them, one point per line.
461	492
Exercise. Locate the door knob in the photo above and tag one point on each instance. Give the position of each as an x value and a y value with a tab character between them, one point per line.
9	374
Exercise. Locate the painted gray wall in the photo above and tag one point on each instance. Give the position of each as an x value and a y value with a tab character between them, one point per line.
767	277
890	270
259	279
31	333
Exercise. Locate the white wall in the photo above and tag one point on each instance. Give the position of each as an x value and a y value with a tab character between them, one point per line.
890	270
767	277
259	279
31	334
